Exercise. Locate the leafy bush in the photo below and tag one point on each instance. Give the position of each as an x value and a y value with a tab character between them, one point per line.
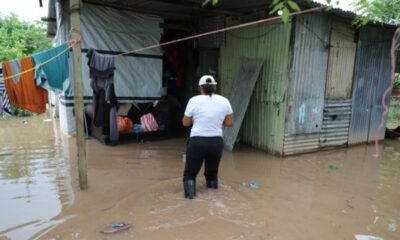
19	112
397	80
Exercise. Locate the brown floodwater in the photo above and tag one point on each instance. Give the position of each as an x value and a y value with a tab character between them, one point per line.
328	195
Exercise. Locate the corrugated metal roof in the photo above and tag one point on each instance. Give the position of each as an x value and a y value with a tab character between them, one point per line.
263	126
189	8
308	74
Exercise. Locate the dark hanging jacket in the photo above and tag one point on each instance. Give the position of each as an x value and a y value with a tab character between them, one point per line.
105	102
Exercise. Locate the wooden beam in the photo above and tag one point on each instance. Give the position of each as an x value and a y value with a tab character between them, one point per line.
75	6
179	27
47	19
198	8
172	16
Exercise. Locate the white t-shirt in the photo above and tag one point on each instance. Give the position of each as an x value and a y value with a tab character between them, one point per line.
208	114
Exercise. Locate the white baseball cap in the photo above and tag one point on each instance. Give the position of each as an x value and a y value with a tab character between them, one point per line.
207	79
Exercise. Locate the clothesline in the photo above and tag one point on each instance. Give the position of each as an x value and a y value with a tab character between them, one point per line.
73	42
223	30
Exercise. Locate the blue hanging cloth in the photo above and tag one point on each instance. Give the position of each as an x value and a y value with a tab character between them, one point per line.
53	74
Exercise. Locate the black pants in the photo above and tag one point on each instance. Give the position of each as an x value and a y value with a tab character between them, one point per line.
198	149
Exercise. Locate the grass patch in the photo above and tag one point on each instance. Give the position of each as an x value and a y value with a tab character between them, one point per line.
393	120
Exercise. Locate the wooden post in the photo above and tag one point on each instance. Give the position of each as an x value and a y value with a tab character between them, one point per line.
75	6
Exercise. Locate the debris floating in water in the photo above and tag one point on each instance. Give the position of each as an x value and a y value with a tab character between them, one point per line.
389	148
367	237
333	167
253	184
5	154
115	228
392	227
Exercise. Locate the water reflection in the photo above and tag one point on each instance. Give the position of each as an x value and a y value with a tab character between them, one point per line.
34	177
386	199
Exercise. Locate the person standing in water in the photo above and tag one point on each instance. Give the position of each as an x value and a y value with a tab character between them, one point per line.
207	113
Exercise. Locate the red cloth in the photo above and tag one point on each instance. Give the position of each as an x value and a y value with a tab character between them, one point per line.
25	93
124	124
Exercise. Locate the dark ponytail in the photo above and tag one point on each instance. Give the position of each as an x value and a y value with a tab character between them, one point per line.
208	89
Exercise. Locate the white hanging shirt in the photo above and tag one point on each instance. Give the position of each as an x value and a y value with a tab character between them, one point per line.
208	114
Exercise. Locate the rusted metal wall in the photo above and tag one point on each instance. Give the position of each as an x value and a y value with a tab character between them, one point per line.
303	143
210	24
335	127
383	83
263	126
308	74
371	78
342	55
338	104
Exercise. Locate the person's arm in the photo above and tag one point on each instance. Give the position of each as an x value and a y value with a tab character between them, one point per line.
228	121
187	121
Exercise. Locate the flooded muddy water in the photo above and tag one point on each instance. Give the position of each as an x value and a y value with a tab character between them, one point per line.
34	177
334	195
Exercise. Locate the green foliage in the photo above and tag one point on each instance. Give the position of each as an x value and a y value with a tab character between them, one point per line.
386	11
397	80
394	114
20	112
284	7
214	2
20	38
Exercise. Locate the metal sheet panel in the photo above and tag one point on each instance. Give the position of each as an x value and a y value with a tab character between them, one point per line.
341	62
382	83
249	71
308	74
335	127
211	24
263	126
295	144
370	79
208	64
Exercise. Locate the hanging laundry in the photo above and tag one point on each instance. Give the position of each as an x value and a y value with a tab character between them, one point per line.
1	105
53	74
5	108
15	67
23	92
105	102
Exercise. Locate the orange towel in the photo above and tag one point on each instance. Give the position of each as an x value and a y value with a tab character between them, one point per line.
25	93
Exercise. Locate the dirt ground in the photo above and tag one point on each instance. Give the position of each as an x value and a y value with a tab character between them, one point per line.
327	195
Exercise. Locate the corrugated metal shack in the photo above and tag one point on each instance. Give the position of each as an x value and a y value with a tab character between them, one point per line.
321	86
322	79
